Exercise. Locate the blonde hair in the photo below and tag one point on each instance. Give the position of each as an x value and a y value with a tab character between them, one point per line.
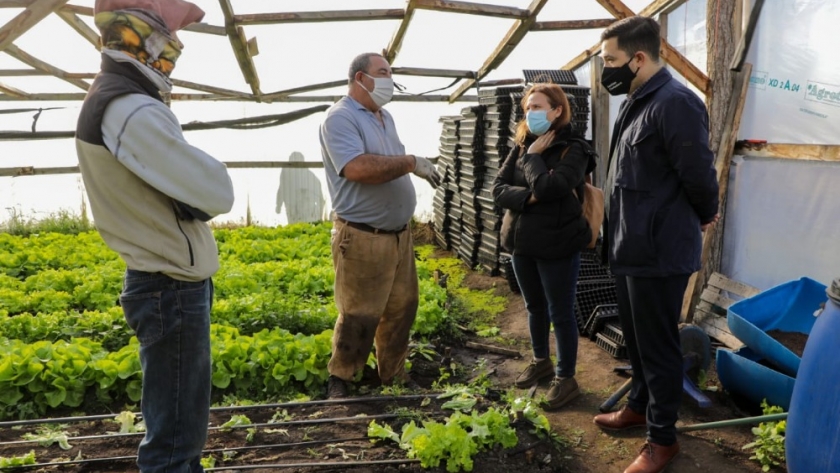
556	98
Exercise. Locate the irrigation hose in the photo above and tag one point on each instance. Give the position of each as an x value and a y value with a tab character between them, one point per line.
217	450
345	464
365	418
734	422
320	402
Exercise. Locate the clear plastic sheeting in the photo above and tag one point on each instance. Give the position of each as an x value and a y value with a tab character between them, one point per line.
794	94
781	221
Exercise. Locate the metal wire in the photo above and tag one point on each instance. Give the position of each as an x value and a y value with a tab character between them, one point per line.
217	450
246	426
278	466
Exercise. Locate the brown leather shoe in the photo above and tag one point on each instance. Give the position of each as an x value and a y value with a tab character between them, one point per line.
653	458
623	419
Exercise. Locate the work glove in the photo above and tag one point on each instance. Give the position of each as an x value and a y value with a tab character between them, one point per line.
425	169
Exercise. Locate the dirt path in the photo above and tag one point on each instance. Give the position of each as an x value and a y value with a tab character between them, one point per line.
591	450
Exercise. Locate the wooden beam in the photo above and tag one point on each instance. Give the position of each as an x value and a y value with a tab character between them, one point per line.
64	97
723	160
685	67
423	72
746	37
211	89
600	120
12	91
789	151
471	8
207	29
275	96
503	50
42	171
657	6
195	27
22	73
20	24
81	27
318	16
29	60
236	36
572	25
15	3
396	41
616	8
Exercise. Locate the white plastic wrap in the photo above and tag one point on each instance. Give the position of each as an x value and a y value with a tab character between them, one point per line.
781	221
794	94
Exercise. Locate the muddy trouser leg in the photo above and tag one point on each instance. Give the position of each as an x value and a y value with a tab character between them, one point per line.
395	325
365	266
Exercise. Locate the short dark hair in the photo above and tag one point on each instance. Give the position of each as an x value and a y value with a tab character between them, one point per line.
635	33
361	63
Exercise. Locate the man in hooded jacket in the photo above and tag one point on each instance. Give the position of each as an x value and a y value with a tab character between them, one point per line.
151	194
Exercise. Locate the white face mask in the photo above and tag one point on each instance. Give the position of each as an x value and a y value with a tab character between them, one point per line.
383	90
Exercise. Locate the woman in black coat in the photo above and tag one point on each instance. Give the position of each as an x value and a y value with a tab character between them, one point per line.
544	229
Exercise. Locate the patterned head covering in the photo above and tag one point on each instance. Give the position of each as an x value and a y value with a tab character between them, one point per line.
145	29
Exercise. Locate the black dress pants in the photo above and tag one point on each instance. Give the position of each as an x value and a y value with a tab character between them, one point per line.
649	310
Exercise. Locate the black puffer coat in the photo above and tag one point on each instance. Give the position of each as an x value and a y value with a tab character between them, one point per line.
554	226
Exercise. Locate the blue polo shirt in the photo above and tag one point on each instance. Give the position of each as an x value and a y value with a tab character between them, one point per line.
350	131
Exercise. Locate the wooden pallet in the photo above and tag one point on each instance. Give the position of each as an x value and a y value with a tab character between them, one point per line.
710	313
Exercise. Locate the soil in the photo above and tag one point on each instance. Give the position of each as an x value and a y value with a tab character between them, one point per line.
793	341
583	449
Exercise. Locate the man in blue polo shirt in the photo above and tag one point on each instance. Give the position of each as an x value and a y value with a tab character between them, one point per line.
367	169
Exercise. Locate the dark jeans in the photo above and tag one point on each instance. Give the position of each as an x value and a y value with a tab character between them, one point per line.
649	309
548	287
172	322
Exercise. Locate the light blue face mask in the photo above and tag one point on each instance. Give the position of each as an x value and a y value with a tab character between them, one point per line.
538	121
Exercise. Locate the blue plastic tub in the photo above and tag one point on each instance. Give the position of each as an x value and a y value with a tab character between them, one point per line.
739	372
788	307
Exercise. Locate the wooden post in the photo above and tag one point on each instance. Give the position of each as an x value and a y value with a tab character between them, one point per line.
713	237
396	41
236	36
600	120
722	31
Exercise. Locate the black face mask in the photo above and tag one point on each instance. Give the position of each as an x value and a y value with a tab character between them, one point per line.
617	79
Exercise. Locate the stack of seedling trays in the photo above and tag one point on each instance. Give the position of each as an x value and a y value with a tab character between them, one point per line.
498	143
596	308
471	177
578	96
448	167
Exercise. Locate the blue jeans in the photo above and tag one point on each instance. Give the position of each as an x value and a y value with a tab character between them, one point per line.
171	319
548	287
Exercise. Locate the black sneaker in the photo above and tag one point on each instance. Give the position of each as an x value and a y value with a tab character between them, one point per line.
534	372
336	388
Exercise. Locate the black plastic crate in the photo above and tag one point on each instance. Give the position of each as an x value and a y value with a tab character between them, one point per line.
614	333
587	299
506	268
554	76
610	346
589	270
601	315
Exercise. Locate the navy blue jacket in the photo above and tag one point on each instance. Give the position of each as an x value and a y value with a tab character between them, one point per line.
665	181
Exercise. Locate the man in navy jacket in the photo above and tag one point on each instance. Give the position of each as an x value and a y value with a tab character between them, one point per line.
663	193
